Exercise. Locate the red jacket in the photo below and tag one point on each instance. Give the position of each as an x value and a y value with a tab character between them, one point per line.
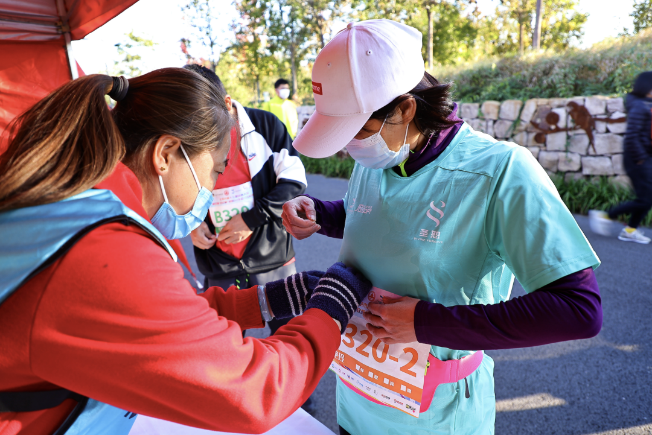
114	320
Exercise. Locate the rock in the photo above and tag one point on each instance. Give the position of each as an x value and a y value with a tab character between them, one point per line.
597	166
489	127
531	142
520	138
556	141
549	160
303	114
569	176
563	117
615	105
528	110
600	127
608	143
469	110
510	109
596	105
538	117
569	162
578	100
490	109
579	144
520	127
618	164
620	127
558	102
535	151
501	128
622	180
476	124
574	132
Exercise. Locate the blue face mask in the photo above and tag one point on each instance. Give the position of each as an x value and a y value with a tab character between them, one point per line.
174	226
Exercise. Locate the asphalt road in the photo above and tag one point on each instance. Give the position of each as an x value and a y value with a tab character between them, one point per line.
597	386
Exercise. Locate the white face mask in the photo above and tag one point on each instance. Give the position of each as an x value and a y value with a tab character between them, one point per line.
284	93
372	152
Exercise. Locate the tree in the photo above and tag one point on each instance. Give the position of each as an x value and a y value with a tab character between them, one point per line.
536	37
642	15
561	25
288	35
521	12
202	15
448	31
250	47
318	16
397	10
130	64
449	34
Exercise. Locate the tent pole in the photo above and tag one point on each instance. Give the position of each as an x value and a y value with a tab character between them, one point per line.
72	65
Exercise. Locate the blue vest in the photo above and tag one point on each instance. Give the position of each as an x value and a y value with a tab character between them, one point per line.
33	238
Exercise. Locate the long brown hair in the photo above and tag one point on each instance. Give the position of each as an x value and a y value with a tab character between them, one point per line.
70	141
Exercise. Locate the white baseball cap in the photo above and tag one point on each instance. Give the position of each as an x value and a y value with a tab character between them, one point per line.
362	69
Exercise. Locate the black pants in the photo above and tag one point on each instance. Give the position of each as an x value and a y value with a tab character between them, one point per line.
641	176
344	431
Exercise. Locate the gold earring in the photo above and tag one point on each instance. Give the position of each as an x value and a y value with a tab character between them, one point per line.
162	168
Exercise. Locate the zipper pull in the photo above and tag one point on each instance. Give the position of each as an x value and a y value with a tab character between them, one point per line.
466	393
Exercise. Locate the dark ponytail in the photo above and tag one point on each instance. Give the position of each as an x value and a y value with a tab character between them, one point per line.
434	105
65	144
70	140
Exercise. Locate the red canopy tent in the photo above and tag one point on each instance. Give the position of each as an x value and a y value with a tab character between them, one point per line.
36	53
35	50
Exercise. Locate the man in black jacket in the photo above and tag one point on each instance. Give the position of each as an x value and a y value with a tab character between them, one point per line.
242	241
638	164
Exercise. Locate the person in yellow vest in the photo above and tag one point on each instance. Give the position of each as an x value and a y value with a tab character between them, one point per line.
283	107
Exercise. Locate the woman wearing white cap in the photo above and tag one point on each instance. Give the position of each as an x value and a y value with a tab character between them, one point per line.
446	217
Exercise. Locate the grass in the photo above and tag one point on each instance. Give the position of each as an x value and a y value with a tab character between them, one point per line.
331	166
607	68
583	195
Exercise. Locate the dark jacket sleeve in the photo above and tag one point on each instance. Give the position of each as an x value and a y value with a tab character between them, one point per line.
287	171
638	137
567	309
270	206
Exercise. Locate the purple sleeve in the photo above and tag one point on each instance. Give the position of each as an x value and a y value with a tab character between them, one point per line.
567	309
331	216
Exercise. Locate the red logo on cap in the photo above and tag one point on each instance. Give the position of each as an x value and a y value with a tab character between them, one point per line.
316	88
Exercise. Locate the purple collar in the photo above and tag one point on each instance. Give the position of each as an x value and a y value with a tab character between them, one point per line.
435	146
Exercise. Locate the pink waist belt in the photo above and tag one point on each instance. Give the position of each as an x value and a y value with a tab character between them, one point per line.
439	372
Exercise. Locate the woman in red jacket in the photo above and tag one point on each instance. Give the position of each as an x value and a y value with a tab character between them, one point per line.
96	320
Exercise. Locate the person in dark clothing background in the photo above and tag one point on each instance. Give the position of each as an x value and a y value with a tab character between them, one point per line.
242	241
638	165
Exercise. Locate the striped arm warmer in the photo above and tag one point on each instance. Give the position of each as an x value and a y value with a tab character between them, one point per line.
288	297
339	293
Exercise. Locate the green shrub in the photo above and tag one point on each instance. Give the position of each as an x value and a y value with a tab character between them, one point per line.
331	166
583	195
607	68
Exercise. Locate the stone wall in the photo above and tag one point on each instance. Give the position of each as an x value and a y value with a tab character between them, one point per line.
563	152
